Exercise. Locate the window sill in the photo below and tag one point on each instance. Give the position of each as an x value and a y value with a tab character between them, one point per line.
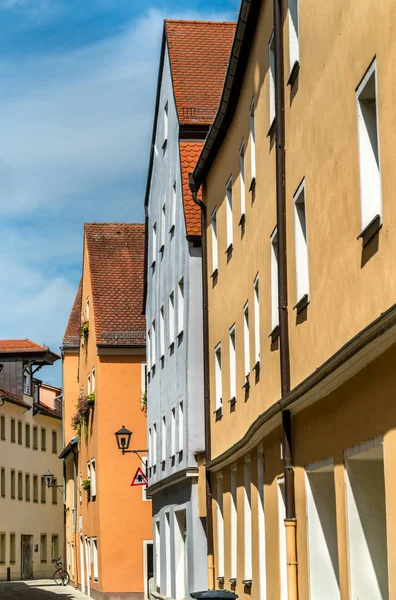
301	304
215	273
220	579
247	583
246	385
172	230
164	144
252	186
162	249
293	73
271	130
242	220
229	250
257	366
153	265
370	230
180	335
218	413
233	581
274	334
232	401
171	347
163	465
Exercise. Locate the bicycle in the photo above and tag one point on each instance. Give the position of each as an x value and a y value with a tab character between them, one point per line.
61	577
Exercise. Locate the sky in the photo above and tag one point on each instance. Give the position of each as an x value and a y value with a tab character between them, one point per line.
77	92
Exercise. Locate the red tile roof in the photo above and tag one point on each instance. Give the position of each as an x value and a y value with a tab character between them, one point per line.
189	153
21	346
72	333
14	399
199	53
116	262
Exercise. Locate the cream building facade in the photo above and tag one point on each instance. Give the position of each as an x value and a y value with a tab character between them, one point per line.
297	181
31	515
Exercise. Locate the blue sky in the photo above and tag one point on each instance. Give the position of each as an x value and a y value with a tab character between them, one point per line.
77	87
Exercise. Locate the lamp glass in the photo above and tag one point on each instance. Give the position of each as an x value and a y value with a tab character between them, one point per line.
123	437
49	478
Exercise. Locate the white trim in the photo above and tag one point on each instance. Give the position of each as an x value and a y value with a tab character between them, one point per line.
229	212
252	140
242	177
271	82
218	376
294	43
301	242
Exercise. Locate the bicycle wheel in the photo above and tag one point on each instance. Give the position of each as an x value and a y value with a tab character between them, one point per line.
58	577
66	578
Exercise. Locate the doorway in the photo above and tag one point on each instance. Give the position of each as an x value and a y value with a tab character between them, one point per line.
148	566
26	557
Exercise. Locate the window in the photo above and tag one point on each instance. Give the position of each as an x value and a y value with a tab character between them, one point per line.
157	554
301	244
12	421
89	383
294	49
43	547
54	547
215	252
247	520
20	485
2	548
54	491
27	487
43	491
180	307
95	559
13	484
143	383
12	548
181	426
93	478
274	280
35	438
229	219
154	245
89	470
87	308
144	487
54	442
232	348
27	382
148	344
20	433
246	339
220	525
369	161
3	482
271	73
218	380
168	555
173	432
35	488
43	439
153	344
27	435
2	427
256	320
252	147
234	523
242	181
173	209
171	318
162	332
80	489
93	380
166	118
155	447
163	440
180	539
163	225
150	447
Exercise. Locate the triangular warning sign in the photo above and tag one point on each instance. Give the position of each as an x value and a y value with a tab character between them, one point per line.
139	478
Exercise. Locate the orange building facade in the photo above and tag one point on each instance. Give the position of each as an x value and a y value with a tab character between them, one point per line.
108	522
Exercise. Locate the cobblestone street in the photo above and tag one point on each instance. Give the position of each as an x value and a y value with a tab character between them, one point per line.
42	589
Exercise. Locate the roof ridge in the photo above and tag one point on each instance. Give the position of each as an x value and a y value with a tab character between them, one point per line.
198	22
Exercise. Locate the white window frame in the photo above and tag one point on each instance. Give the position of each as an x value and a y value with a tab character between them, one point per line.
166	124
301	243
87	308
215	243
162	331
153	344
157	547
93	380
173	208
93	478
163	439
234	522
143	377
242	180
144	487
274	280
218	376
154	245
220	524
232	356
252	144
95	559
163	226
171	322
89	383
246	340
247	520
168	561
180	307
148	348
173	432
256	293
369	153
261	522
271	79
150	448
229	214
154	442
181	426
294	43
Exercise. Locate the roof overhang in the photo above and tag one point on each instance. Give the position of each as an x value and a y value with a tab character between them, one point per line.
69	449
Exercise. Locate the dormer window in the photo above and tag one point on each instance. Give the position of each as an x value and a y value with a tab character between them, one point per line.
27	381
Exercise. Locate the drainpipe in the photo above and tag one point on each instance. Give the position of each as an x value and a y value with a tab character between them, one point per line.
287	440
75	517
209	517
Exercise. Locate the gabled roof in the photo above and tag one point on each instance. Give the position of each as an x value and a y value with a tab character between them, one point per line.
116	256
189	153
72	333
199	52
14	399
43	409
27	347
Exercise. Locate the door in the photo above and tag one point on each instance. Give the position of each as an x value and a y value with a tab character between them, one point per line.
82	570
148	567
26	557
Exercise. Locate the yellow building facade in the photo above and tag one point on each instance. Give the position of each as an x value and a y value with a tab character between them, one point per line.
297	186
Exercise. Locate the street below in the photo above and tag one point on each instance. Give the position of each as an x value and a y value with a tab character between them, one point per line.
41	589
